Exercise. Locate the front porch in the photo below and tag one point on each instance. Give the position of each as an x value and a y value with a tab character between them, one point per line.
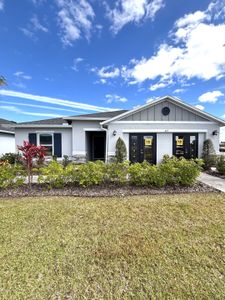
96	145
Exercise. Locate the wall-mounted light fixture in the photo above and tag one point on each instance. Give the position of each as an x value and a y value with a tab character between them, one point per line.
215	132
114	132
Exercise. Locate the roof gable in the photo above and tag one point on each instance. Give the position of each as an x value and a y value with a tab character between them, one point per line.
179	111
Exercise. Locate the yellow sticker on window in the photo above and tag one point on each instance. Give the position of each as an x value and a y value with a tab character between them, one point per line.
148	142
180	142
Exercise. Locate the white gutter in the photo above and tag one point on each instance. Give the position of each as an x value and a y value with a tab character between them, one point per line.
106	144
8	132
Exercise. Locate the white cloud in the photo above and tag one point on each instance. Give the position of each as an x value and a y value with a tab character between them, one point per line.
33	27
197	52
179	91
159	85
19	111
75	20
115	98
38	2
132	11
76	62
38	106
22	75
1	4
37	26
199	106
56	101
108	72
210	97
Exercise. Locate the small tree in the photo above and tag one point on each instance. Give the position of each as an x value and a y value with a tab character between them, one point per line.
29	153
209	154
121	151
220	165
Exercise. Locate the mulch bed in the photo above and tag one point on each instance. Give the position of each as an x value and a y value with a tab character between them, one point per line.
100	191
216	174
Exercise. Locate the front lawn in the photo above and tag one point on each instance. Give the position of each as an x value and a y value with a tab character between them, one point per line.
158	247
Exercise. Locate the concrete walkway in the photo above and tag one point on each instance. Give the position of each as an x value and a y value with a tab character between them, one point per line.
213	181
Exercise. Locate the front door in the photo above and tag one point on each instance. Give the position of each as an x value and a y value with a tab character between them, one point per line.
185	145
143	147
98	146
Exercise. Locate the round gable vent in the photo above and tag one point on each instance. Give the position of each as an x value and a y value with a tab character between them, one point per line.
165	111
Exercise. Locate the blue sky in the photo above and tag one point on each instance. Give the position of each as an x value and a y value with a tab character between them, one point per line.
68	57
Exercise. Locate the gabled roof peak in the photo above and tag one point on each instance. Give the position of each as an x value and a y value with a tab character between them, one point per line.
172	99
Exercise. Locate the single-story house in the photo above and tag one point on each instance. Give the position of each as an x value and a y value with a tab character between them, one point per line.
7	136
165	126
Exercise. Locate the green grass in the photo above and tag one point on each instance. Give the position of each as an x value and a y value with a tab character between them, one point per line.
158	247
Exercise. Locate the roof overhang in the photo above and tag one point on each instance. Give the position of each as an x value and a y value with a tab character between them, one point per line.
175	101
42	126
7	132
84	119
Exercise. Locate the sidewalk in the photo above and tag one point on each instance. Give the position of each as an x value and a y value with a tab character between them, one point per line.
212	181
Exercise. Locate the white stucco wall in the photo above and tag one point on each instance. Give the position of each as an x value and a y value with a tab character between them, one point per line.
7	143
79	142
164	132
21	134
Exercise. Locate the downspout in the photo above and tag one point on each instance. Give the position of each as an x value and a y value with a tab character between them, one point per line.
106	144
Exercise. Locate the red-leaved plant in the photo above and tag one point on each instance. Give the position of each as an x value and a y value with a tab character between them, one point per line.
29	153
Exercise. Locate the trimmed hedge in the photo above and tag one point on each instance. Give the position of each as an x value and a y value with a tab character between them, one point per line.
171	171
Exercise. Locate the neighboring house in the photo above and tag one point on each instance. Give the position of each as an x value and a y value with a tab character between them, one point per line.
165	126
7	136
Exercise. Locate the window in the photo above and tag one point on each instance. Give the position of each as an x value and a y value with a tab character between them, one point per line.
46	140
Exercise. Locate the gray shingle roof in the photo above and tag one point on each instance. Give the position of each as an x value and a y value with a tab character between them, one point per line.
4	121
55	121
6	125
6	129
60	121
104	115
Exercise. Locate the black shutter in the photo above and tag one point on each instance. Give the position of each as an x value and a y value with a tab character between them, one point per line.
32	138
58	144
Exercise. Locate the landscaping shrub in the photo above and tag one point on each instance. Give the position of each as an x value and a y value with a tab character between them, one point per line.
11	158
53	175
187	171
172	171
91	173
180	171
208	155
220	165
117	172
10	175
145	174
121	151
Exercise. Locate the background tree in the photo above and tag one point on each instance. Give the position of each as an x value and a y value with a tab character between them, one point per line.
30	153
209	154
121	151
2	81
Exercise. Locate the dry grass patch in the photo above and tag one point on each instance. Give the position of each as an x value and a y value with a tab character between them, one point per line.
169	246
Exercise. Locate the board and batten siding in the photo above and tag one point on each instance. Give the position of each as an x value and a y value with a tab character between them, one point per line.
154	113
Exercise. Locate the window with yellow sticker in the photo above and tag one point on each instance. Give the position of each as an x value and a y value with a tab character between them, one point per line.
148	141
180	142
